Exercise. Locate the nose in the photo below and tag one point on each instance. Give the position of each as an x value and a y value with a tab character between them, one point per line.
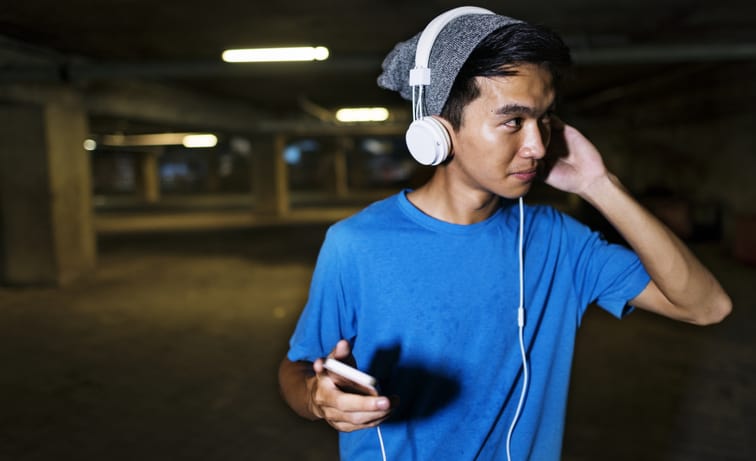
535	139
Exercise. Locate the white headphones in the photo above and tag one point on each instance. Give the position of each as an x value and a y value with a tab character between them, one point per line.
427	139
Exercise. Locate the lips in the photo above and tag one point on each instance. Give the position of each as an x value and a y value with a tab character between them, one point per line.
525	175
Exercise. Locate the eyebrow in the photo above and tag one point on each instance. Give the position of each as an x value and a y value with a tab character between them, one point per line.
519	109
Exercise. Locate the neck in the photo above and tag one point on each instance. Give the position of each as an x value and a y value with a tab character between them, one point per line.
451	203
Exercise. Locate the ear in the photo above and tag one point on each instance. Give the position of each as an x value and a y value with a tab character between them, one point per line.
450	130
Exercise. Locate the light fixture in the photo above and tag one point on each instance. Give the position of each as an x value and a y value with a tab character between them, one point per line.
200	140
90	144
362	114
300	53
159	139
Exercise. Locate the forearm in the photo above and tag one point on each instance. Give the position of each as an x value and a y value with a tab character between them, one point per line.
293	379
692	292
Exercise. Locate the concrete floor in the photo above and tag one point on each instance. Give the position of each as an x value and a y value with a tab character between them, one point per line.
169	352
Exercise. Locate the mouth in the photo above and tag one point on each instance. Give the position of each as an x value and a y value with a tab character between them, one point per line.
525	175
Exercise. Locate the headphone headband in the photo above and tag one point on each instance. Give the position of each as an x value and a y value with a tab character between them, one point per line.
421	74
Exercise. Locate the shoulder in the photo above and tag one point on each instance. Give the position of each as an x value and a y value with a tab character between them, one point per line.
549	226
372	219
548	216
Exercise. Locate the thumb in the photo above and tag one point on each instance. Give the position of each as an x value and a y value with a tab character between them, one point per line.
342	350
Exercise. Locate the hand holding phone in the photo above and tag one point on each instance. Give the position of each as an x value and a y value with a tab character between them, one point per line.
350	379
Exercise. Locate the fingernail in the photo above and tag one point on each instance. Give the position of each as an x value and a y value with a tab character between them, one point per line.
382	403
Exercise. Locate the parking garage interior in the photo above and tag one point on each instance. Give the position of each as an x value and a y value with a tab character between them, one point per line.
148	288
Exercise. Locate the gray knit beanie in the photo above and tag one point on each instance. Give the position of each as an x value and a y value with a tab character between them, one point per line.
452	47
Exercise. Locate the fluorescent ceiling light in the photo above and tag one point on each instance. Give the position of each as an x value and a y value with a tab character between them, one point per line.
160	139
200	140
362	114
301	53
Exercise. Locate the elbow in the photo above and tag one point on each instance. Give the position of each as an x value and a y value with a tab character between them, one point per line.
717	312
724	309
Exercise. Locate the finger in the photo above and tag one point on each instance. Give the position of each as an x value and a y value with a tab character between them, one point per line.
348	412
330	395
317	366
363	403
342	350
357	411
356	418
357	423
344	426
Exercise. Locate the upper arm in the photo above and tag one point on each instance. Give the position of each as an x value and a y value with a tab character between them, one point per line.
653	300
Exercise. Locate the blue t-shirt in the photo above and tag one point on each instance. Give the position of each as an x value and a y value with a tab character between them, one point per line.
430	308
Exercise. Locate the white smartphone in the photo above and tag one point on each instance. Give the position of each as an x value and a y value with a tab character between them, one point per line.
350	379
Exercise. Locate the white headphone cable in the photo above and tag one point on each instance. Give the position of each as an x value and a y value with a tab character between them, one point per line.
414	103
419	108
380	439
521	327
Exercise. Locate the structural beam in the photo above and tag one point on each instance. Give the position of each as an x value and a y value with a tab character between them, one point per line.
147	102
164	104
84	71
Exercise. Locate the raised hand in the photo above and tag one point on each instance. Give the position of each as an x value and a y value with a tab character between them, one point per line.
572	162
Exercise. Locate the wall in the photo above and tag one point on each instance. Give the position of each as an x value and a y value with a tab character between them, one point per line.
690	139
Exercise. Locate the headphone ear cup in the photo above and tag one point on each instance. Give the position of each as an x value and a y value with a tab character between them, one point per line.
428	141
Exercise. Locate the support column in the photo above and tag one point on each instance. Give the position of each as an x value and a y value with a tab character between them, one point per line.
271	177
340	170
47	233
148	175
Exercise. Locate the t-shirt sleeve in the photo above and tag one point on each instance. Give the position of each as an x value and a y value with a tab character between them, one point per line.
326	317
606	273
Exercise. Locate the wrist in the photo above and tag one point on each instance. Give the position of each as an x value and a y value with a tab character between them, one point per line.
314	410
601	189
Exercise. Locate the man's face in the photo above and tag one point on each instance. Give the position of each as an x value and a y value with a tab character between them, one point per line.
505	132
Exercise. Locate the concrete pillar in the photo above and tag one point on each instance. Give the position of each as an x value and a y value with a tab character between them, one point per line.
271	176
148	175
47	233
341	177
213	179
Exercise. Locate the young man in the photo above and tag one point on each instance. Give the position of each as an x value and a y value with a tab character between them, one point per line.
422	289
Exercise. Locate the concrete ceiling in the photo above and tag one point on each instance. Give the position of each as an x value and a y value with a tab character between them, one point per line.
133	58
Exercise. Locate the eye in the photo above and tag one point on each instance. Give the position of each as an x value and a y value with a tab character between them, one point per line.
514	123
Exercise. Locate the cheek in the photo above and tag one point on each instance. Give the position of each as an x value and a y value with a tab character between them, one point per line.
474	143
489	146
483	143
487	134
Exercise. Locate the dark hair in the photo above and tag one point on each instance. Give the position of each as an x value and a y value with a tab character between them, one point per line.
498	55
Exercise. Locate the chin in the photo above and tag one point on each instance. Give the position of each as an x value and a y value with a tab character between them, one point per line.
514	194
